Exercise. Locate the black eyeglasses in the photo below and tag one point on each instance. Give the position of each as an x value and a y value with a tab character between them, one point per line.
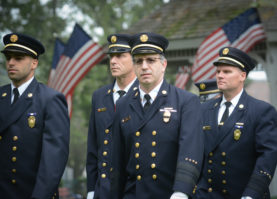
149	60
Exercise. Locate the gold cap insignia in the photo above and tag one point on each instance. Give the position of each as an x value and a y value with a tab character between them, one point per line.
30	95
241	106
237	134
13	38
166	116
113	39
202	86
32	121
144	38
4	94
225	51
164	92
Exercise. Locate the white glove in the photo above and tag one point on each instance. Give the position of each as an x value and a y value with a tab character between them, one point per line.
179	195
90	195
246	197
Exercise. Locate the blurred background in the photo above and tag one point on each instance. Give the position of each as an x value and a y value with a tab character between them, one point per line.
186	23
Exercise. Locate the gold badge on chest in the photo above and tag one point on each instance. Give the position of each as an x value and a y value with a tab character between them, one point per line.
237	131
166	116
237	134
167	113
32	120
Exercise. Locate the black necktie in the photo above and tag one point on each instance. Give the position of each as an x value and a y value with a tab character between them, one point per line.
226	112
121	93
147	103
16	95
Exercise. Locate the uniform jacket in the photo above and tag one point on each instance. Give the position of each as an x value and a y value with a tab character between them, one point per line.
241	155
159	151
99	141
34	139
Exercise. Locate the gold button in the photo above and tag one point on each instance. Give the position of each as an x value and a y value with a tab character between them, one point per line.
153	165
153	154
211	154
105	153
103	175
106	142
224	191
13	181
137	155
137	145
210	189
14	148
154	143
154	133
55	194
223	163
210	161
223	172
14	170
0	137
138	177
209	180
14	159
137	133
111	169
223	154
15	138
224	182
107	130
154	176
137	167
104	164
209	171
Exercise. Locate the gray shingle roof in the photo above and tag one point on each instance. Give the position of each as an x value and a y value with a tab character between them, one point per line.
181	19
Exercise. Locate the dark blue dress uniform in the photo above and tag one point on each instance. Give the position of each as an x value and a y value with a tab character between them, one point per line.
241	155
159	151
99	135
34	139
34	134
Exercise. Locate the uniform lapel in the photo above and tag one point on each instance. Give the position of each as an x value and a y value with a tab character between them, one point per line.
109	104
136	104
212	120
5	104
235	117
15	111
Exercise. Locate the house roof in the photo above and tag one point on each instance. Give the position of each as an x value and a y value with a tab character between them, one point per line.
187	19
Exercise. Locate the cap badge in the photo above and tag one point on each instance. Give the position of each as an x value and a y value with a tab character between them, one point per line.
113	39
202	86
13	38
225	51
144	38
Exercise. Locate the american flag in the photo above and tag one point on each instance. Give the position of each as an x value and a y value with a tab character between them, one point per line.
242	32
80	54
182	77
